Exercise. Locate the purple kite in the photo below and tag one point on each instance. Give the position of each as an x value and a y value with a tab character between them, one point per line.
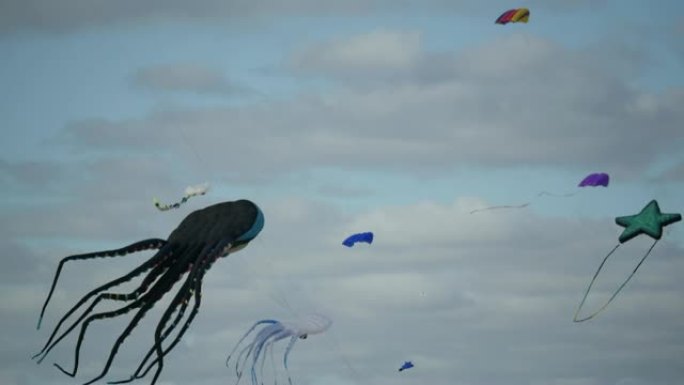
596	179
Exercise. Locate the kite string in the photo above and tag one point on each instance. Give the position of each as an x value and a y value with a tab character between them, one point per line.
619	288
193	190
186	140
586	293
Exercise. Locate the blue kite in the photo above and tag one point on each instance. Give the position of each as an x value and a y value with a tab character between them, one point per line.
360	237
407	365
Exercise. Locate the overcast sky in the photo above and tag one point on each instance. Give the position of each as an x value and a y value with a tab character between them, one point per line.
397	117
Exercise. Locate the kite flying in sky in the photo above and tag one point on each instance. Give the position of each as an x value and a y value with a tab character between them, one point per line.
191	249
359	237
591	180
649	221
268	336
596	179
406	365
190	192
520	15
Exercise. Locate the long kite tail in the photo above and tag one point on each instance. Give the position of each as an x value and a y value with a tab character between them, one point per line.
190	192
501	207
165	207
540	194
612	297
550	194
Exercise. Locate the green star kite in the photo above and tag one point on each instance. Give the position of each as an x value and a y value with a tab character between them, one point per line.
649	221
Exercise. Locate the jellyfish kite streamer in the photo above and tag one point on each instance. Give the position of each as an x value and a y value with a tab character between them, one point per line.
190	192
649	221
591	180
272	332
191	249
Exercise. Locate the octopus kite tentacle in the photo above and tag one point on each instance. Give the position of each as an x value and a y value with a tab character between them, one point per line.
144	304
197	289
190	250
197	269
139	373
157	270
148	244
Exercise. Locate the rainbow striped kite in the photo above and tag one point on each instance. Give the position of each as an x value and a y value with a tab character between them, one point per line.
514	16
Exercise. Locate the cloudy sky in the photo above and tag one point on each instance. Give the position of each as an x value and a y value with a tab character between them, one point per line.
341	116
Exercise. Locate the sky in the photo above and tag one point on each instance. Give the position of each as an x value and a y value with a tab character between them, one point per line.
336	117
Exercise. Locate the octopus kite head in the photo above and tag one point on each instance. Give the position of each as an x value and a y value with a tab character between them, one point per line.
208	224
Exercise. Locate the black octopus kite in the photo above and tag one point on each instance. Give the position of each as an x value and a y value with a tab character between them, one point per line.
200	239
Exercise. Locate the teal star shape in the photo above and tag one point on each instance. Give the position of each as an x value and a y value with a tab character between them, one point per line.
649	221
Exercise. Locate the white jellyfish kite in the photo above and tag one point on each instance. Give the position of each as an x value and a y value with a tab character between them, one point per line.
268	336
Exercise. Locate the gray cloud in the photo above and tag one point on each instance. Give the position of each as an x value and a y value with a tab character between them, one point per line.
28	174
185	77
342	191
545	105
376	58
121	188
672	174
68	15
676	39
384	56
20	265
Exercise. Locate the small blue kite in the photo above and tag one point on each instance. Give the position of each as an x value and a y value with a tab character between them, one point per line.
407	365
360	237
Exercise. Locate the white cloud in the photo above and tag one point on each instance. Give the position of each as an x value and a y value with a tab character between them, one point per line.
377	52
